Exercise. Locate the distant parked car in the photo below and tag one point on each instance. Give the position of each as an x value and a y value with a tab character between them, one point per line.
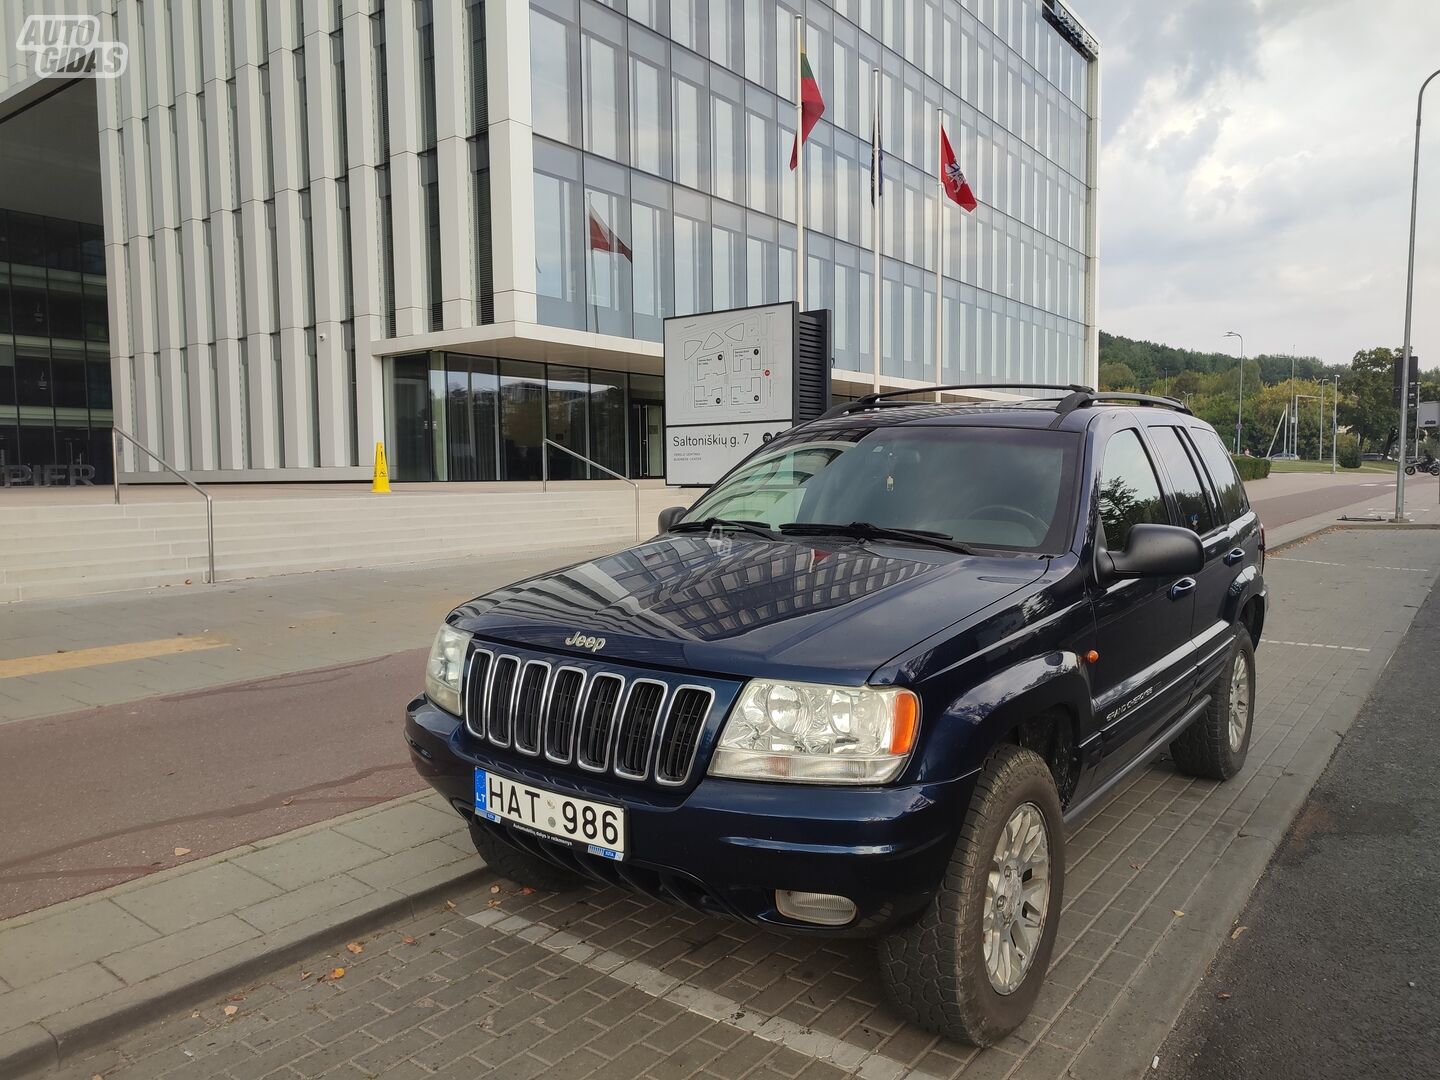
1284	457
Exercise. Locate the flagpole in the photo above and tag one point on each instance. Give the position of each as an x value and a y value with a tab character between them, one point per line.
939	250
877	164
799	162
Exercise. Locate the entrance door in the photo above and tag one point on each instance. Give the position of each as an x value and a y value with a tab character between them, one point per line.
410	393
649	421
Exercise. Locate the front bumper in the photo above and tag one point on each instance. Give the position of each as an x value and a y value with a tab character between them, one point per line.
725	846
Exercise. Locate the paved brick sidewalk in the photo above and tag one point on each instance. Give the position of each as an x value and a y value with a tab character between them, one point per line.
602	984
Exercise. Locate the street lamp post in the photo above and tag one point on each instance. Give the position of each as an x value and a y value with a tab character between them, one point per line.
1335	428
1240	408
1409	307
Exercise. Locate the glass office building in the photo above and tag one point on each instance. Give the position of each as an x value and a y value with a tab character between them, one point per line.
456	226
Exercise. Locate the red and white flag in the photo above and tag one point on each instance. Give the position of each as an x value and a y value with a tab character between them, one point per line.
953	180
603	238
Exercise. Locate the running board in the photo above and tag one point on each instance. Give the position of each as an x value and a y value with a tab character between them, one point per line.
1187	718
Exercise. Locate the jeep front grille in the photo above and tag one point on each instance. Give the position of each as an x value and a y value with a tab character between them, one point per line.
635	728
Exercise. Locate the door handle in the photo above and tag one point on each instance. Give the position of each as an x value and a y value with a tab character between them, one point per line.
1234	555
1184	587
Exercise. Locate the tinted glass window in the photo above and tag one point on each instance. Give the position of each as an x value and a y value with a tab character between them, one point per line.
1129	492
1221	468
1185	481
991	487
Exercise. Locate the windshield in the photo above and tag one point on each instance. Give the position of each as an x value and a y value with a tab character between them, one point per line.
986	487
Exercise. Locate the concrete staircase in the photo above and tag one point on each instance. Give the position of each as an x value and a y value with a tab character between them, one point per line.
62	549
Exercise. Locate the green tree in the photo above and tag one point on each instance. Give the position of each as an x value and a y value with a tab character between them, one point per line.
1366	405
1117	376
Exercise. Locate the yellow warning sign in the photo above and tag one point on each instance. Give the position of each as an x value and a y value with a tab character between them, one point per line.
381	482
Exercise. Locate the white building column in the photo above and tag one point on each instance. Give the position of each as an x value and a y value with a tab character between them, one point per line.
407	203
512	161
453	126
366	250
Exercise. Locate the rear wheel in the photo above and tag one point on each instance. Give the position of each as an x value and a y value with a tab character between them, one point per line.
1214	747
520	866
971	966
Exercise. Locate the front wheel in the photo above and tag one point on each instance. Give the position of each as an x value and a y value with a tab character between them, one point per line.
971	966
1409	470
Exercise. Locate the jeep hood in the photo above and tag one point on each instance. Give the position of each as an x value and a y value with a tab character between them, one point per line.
742	605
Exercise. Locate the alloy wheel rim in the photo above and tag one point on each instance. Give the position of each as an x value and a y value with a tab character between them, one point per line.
1017	898
1239	703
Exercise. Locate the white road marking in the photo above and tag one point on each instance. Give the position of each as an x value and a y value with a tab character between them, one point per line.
1315	645
651	980
1319	562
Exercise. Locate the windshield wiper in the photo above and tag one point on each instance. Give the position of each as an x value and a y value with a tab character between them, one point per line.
867	530
759	528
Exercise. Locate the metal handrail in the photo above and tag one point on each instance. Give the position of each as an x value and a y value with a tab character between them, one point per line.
117	434
545	475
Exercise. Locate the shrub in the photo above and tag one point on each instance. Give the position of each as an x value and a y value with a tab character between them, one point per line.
1348	453
1251	468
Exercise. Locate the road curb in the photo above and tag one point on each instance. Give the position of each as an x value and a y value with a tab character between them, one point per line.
51	1042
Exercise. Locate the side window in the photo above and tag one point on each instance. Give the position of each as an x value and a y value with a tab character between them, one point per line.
1189	492
1222	472
1129	492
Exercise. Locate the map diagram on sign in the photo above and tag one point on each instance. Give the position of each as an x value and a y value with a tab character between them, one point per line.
732	366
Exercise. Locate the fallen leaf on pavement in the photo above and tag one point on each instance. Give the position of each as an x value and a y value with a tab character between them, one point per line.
288	801
526	891
231	1010
494	888
449	905
408	940
236	997
338	973
182	851
194	1015
1136	865
304	975
1235	934
1177	913
355	948
1223	995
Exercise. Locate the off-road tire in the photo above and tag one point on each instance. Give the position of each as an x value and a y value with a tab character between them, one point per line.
934	969
520	866
1203	749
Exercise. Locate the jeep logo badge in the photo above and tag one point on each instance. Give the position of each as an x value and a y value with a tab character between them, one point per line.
585	641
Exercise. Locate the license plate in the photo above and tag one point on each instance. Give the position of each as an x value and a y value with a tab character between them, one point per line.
598	827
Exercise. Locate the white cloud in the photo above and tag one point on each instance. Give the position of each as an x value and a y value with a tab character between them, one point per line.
1255	172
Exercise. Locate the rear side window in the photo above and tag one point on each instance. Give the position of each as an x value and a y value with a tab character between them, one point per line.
1222	472
1129	491
1189	492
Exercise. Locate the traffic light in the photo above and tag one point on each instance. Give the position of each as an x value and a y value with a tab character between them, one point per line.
1414	388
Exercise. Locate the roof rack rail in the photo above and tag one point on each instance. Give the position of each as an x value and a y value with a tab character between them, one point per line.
1083	399
890	397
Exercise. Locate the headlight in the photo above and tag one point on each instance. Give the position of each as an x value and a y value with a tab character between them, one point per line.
817	734
444	668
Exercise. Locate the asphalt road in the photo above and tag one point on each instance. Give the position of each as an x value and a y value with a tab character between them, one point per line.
1337	972
1278	510
93	798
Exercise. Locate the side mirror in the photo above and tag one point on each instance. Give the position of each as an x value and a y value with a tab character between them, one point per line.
1155	551
670	515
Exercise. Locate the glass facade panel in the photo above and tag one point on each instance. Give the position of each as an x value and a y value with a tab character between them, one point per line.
55	397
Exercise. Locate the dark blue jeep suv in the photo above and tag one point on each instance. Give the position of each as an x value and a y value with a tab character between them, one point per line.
863	683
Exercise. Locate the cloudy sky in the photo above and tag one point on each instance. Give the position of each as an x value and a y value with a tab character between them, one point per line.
1255	172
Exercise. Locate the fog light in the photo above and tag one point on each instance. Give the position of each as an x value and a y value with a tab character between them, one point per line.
824	909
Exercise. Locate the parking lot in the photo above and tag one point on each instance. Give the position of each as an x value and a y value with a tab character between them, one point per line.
600	983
